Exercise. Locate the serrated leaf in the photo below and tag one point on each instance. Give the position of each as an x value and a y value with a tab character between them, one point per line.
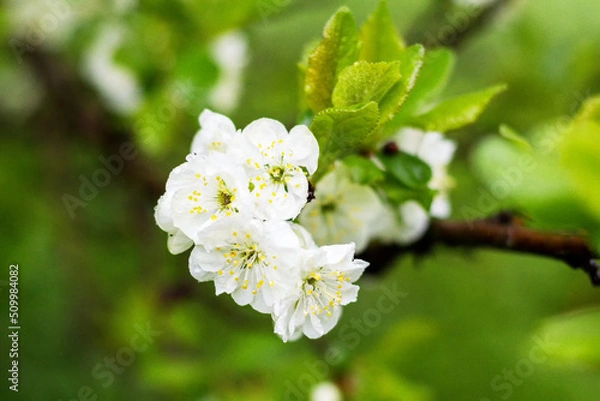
410	65
580	156
457	112
514	137
337	50
379	39
437	67
364	82
408	169
341	131
362	170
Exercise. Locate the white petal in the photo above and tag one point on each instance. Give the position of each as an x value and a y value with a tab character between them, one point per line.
349	294
288	313
305	146
262	132
262	305
225	283
313	327
208	261
178	242
329	322
162	213
436	150
409	140
197	265
440	207
415	221
306	240
242	296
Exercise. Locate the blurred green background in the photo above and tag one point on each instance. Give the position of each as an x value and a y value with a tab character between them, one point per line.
476	326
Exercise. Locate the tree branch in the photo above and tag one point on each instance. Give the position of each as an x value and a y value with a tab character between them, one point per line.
84	115
503	232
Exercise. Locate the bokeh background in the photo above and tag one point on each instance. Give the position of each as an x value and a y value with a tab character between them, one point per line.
79	79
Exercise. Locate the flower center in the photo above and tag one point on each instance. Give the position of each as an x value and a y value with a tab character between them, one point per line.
225	198
328	207
310	282
324	292
277	173
245	256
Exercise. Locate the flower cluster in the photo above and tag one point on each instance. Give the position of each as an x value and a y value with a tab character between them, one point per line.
233	200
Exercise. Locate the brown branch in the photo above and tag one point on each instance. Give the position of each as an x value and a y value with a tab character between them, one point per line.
501	232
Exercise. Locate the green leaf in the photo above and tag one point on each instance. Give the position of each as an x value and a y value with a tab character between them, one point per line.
580	156
514	137
407	169
410	65
379	40
397	193
362	170
457	112
364	82
341	131
337	50
437	67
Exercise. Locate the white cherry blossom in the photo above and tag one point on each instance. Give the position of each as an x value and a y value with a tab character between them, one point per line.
215	135
314	306
278	164
254	262
342	211
205	190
